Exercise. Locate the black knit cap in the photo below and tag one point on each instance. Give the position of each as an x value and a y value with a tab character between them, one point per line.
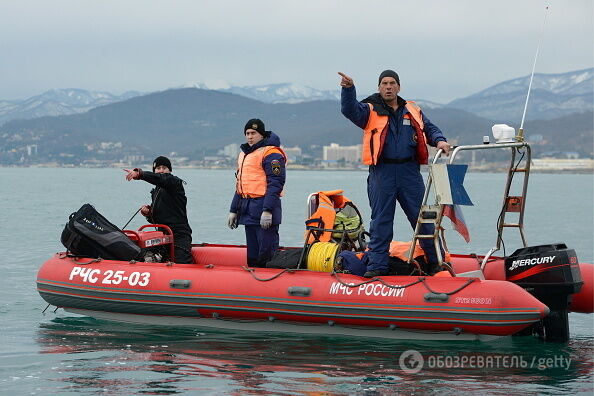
257	125
388	73
160	160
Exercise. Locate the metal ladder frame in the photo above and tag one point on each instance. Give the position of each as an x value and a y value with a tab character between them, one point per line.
434	213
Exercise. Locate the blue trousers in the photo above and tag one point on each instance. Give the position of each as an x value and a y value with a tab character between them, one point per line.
386	184
261	244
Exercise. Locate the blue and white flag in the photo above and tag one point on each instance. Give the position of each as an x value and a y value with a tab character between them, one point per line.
450	191
449	184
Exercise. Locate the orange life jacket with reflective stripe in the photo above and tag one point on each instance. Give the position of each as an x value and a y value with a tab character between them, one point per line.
251	177
324	216
374	134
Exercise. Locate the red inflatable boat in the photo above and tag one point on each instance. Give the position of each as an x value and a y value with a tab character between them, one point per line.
221	291
479	297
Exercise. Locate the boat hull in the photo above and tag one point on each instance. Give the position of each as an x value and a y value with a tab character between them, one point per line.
210	294
283	327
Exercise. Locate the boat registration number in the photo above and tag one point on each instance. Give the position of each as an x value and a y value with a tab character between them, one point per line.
110	277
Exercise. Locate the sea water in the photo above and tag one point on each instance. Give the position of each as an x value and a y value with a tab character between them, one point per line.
62	353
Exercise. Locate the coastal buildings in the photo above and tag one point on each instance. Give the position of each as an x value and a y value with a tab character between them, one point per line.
337	153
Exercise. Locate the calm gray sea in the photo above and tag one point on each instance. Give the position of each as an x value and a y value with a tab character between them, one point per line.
61	353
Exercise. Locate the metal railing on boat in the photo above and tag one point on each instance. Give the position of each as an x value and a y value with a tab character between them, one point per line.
433	213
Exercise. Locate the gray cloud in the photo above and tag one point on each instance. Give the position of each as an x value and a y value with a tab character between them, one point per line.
441	49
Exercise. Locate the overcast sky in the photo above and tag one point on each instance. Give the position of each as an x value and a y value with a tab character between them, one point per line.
441	49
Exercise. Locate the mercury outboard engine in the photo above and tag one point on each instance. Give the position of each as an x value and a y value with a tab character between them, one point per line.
550	273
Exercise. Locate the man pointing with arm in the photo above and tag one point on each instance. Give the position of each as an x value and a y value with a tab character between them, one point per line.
395	135
168	205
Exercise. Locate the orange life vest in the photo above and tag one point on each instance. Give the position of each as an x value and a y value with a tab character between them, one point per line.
251	177
376	129
401	250
324	216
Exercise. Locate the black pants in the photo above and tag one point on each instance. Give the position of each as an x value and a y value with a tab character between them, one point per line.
183	249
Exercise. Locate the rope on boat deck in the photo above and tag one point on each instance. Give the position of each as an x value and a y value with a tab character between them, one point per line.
419	280
380	280
334	274
468	282
376	279
289	270
73	258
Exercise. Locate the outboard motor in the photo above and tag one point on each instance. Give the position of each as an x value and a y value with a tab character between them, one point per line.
550	273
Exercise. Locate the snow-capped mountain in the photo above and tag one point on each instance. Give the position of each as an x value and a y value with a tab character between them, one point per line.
290	93
58	102
552	96
276	93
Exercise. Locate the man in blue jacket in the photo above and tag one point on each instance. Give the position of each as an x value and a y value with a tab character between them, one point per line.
394	145
260	181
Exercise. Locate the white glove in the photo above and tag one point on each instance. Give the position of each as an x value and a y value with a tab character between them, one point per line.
266	220
232	220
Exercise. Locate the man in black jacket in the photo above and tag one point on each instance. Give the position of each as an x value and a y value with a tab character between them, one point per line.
168	205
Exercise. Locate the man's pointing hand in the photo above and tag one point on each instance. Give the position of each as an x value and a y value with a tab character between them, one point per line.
346	81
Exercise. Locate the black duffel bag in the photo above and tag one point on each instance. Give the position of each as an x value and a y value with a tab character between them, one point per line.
288	258
89	234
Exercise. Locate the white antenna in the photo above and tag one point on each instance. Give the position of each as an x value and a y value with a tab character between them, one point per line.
520	136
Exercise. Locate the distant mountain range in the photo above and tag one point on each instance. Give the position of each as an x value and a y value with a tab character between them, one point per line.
57	102
291	93
278	93
552	96
195	122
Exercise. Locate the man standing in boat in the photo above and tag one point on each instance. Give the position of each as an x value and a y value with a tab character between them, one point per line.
394	146
168	205
259	186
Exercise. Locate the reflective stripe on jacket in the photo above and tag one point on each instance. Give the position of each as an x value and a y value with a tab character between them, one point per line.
251	177
374	134
324	216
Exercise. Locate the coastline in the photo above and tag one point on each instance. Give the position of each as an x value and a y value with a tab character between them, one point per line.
494	168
